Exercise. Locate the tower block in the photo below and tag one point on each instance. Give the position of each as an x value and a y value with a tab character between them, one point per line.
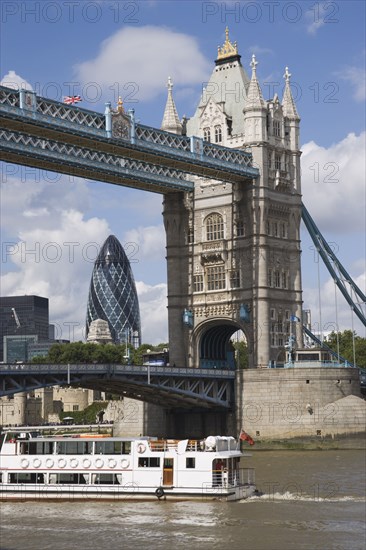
233	250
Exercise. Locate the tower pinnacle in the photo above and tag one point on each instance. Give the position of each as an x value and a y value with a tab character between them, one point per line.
171	122
255	98
288	103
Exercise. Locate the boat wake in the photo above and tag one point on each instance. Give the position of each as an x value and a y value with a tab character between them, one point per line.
289	497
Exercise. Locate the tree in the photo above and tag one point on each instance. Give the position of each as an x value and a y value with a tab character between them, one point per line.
345	340
241	355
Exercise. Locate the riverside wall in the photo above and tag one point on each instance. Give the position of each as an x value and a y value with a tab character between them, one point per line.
285	404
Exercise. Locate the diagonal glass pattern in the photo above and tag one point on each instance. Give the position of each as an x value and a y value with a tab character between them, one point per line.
112	294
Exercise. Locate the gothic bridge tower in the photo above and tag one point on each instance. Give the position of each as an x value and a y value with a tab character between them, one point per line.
233	250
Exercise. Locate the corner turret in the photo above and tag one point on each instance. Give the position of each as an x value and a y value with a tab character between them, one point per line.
171	122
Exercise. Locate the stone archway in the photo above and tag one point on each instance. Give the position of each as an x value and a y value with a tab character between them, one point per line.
213	344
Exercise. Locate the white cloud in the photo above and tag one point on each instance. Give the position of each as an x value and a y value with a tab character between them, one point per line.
47	249
145	56
357	78
57	263
258	50
14	81
149	240
50	246
333	183
153	311
332	316
316	17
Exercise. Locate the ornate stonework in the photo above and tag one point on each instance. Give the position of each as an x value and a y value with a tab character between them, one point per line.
121	123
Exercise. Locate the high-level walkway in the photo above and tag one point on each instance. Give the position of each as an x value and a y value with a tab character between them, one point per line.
50	135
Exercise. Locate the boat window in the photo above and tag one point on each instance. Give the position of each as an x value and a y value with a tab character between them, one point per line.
26	477
68	478
74	447
149	462
106	479
190	462
126	447
36	447
112	447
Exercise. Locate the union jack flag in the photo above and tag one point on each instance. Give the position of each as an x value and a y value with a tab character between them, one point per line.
246	437
71	99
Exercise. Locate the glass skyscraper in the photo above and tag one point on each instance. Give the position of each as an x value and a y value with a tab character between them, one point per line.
112	294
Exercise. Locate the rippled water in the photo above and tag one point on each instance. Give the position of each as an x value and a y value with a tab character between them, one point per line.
310	500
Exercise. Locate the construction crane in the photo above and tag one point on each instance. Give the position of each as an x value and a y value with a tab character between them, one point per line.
16	317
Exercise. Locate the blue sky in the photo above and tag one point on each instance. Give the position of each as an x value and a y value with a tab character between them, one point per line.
104	49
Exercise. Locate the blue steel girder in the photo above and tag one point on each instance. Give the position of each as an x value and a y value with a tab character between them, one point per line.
45	118
350	291
165	386
57	156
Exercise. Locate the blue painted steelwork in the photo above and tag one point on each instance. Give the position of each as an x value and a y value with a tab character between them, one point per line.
104	167
335	268
44	118
165	386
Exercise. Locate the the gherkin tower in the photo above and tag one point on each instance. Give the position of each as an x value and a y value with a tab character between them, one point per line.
112	294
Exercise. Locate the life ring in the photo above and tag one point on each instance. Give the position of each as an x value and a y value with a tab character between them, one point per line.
74	463
125	463
159	492
112	463
86	463
61	463
141	448
24	463
99	463
49	463
37	462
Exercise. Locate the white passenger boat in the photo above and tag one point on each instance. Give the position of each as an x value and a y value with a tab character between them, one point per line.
80	467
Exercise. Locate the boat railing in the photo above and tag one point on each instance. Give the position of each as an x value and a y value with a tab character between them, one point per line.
233	478
172	444
164	445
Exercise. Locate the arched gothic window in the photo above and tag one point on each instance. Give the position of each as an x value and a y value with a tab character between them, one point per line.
207	134
214	227
218	134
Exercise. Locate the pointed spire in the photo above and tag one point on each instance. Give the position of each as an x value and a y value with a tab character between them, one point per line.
171	122
255	97
288	103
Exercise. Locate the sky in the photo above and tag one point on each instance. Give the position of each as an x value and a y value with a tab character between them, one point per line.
53	225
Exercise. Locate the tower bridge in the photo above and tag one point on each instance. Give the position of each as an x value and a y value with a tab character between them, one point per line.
231	180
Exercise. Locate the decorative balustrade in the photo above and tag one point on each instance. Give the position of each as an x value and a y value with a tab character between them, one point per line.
9	97
70	113
159	137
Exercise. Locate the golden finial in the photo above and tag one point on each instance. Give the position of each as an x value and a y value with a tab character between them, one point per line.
228	49
120	108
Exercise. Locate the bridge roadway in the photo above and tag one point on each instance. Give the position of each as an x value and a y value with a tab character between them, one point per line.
170	387
42	133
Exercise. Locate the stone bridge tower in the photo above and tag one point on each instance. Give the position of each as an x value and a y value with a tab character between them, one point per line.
233	250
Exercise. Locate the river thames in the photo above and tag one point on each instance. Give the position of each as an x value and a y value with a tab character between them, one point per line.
311	500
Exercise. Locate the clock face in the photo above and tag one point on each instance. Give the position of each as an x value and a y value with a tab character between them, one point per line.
121	128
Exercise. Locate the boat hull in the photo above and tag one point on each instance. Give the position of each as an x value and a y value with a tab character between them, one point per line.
70	493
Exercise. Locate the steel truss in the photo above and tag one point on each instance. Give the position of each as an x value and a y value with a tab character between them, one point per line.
80	161
165	386
351	292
